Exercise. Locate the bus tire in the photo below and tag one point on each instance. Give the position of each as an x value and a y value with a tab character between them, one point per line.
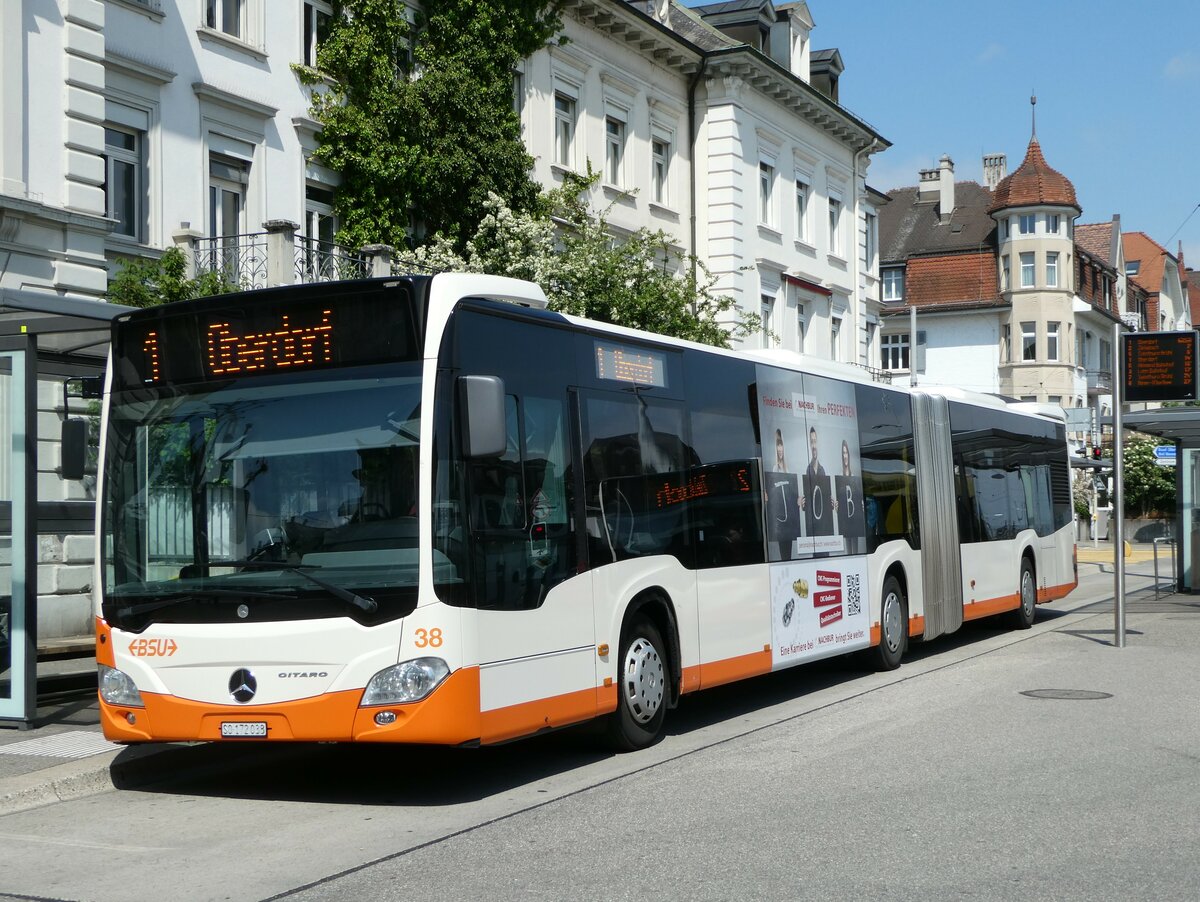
641	689
893	626
1022	617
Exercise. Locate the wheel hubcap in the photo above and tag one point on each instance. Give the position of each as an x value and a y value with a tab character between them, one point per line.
1027	593
891	621
644	680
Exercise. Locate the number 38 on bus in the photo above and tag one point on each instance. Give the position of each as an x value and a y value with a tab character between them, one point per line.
430	510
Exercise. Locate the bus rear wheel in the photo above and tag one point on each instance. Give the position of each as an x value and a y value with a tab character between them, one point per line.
641	689
893	626
1022	617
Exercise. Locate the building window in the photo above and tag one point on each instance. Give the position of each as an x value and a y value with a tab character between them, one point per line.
1052	341
317	16
766	193
1105	355
518	94
894	352
801	209
1133	267
1053	223
564	128
767	310
1005	273
870	239
1007	228
228	16
1056	399
893	285
835	338
1029	341
1026	224
800	321
1027	270
614	149
124	181
320	229
835	226
660	169
227	180
1052	270
1006	339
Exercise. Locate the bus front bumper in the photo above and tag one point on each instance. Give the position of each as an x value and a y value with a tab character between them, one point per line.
448	716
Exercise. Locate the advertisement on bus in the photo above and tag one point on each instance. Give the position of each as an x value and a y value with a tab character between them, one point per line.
818	609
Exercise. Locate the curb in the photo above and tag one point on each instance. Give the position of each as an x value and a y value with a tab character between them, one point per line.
79	779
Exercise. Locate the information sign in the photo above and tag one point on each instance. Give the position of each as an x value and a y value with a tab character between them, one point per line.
1159	366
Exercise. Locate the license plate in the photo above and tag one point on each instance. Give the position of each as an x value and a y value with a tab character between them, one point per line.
242	728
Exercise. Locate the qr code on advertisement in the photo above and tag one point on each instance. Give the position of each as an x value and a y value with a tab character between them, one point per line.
853	596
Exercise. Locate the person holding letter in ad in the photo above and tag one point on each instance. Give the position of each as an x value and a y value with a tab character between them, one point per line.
849	505
784	504
817	501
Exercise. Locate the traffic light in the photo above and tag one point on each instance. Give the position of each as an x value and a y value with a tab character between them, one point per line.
1096	452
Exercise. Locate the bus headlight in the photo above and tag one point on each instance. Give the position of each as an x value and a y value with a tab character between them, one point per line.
117	688
408	681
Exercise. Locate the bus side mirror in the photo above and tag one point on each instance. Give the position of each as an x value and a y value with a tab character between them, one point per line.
481	407
74	448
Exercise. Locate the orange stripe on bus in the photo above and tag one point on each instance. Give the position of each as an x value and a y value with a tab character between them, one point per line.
1053	593
916	626
502	724
990	606
729	670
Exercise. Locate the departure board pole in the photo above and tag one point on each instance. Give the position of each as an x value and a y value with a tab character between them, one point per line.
1118	488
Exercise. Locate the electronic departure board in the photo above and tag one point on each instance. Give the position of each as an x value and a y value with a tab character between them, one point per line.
237	336
1159	366
622	363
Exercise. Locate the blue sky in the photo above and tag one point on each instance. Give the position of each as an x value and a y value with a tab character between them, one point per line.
1117	85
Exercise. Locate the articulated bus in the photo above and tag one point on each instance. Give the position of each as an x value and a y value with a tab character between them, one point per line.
430	510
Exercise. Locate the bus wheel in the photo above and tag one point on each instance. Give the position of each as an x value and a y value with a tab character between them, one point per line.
641	689
893	626
1022	617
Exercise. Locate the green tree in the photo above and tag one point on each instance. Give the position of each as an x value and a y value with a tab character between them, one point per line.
586	272
148	283
1149	488
418	118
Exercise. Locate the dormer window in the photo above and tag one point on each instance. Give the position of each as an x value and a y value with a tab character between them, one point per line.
893	285
1133	267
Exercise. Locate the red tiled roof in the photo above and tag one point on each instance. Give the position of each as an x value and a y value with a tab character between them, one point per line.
1153	257
952	279
1034	183
1096	239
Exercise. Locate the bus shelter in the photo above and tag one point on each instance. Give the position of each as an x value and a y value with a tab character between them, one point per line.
48	345
1182	426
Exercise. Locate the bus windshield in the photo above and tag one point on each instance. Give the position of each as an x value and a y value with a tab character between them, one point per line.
224	501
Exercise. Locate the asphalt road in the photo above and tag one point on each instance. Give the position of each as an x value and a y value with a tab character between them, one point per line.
938	781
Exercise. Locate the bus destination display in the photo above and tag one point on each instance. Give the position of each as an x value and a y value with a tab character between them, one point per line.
635	365
1160	366
263	339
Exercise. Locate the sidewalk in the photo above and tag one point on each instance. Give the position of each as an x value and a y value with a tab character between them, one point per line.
65	756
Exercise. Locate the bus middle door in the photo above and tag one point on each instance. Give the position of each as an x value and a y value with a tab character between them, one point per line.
536	629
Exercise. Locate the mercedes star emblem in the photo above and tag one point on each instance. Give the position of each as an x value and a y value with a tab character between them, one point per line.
243	685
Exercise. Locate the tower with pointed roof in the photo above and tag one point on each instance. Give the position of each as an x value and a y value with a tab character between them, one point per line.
1035	209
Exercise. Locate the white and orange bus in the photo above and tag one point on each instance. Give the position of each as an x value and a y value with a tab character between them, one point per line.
430	510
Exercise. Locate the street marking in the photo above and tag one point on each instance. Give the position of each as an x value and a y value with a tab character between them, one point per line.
72	744
80	843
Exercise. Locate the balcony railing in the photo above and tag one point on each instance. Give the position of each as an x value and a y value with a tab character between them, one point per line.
323	261
279	256
1099	381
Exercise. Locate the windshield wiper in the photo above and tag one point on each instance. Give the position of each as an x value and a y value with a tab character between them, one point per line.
198	595
359	601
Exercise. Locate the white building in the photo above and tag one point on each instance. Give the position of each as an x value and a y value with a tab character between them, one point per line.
720	126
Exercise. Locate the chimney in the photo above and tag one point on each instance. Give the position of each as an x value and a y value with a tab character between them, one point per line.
945	187
927	190
995	167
